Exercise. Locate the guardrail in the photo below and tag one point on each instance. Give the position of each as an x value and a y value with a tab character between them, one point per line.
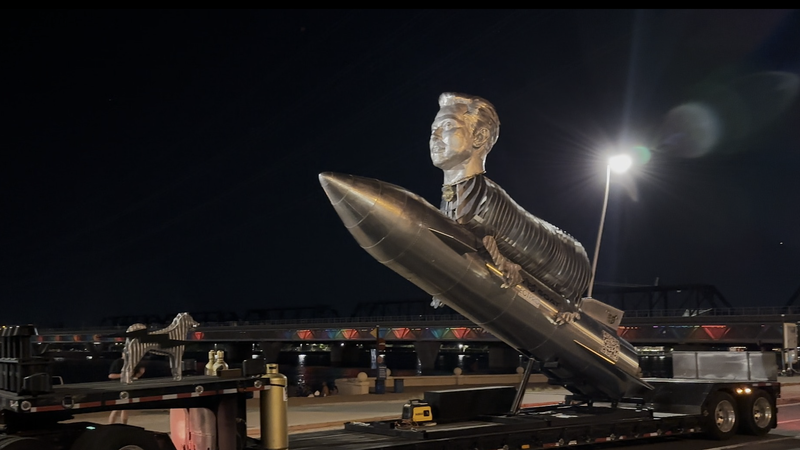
715	312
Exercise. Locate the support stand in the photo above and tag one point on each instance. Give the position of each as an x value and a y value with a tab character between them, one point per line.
523	385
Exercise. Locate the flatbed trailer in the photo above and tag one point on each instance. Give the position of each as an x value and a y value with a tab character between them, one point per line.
37	421
715	393
678	407
716	408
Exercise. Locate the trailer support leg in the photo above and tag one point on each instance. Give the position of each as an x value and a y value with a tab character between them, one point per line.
523	385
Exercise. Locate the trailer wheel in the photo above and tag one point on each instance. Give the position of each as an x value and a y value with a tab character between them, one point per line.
758	413
116	437
23	443
720	416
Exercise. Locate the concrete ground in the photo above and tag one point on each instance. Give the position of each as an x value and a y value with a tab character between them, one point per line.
326	413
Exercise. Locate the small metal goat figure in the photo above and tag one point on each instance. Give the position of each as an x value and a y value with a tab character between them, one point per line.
169	341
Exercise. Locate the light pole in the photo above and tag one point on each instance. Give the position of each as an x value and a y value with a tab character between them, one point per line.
618	164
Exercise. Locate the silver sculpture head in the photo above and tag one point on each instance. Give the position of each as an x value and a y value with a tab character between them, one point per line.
462	134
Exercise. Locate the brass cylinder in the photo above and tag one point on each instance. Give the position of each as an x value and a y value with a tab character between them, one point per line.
274	409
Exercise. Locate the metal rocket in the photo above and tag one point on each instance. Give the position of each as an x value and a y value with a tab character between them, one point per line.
576	348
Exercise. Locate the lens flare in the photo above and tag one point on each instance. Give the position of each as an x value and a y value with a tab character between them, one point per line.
620	163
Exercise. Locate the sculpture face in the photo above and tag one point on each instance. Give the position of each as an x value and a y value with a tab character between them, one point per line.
451	137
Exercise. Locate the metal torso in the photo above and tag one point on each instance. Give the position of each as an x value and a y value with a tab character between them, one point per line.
546	252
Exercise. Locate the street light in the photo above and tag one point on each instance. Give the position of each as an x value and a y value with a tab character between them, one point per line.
618	164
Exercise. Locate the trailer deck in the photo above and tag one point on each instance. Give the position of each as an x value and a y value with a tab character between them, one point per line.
142	394
565	425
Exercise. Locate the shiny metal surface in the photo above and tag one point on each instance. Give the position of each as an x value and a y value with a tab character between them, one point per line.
274	410
139	341
736	366
546	252
762	412
462	134
725	416
407	234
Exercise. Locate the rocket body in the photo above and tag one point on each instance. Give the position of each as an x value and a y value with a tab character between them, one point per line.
410	236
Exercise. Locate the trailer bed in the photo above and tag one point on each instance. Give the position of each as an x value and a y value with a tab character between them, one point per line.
148	393
531	429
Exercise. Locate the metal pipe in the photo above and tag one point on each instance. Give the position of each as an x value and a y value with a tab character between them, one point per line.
274	411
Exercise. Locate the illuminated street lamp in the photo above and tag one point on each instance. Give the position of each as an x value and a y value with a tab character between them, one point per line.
617	164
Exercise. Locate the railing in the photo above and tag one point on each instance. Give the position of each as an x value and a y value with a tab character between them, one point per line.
355	321
445	319
715	312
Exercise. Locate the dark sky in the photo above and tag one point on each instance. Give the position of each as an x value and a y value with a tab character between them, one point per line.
166	161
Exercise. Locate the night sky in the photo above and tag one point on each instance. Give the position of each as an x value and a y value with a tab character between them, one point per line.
167	161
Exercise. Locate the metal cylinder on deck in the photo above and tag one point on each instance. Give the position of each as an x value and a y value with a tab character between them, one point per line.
274	409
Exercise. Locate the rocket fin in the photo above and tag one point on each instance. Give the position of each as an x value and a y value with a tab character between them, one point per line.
602	312
642	383
456	244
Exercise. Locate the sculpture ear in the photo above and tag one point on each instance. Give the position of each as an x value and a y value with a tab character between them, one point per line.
480	137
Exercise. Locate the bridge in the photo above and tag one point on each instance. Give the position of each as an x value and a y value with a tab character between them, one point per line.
692	314
695	316
756	326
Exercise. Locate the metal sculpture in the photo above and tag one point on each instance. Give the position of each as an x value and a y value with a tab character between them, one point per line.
483	255
169	341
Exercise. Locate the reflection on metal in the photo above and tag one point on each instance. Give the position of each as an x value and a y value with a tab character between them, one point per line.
393	225
463	132
749	366
483	255
601	312
273	408
169	341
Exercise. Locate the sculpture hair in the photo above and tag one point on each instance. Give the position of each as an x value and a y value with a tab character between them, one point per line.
479	111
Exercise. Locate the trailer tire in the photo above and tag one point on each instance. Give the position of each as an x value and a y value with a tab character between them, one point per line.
758	413
23	443
116	437
721	416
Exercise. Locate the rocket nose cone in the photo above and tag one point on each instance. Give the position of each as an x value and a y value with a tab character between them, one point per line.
333	183
352	197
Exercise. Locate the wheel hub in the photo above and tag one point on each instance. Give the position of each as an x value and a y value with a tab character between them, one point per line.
762	412
725	416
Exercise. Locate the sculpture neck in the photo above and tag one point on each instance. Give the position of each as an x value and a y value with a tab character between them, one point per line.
462	172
